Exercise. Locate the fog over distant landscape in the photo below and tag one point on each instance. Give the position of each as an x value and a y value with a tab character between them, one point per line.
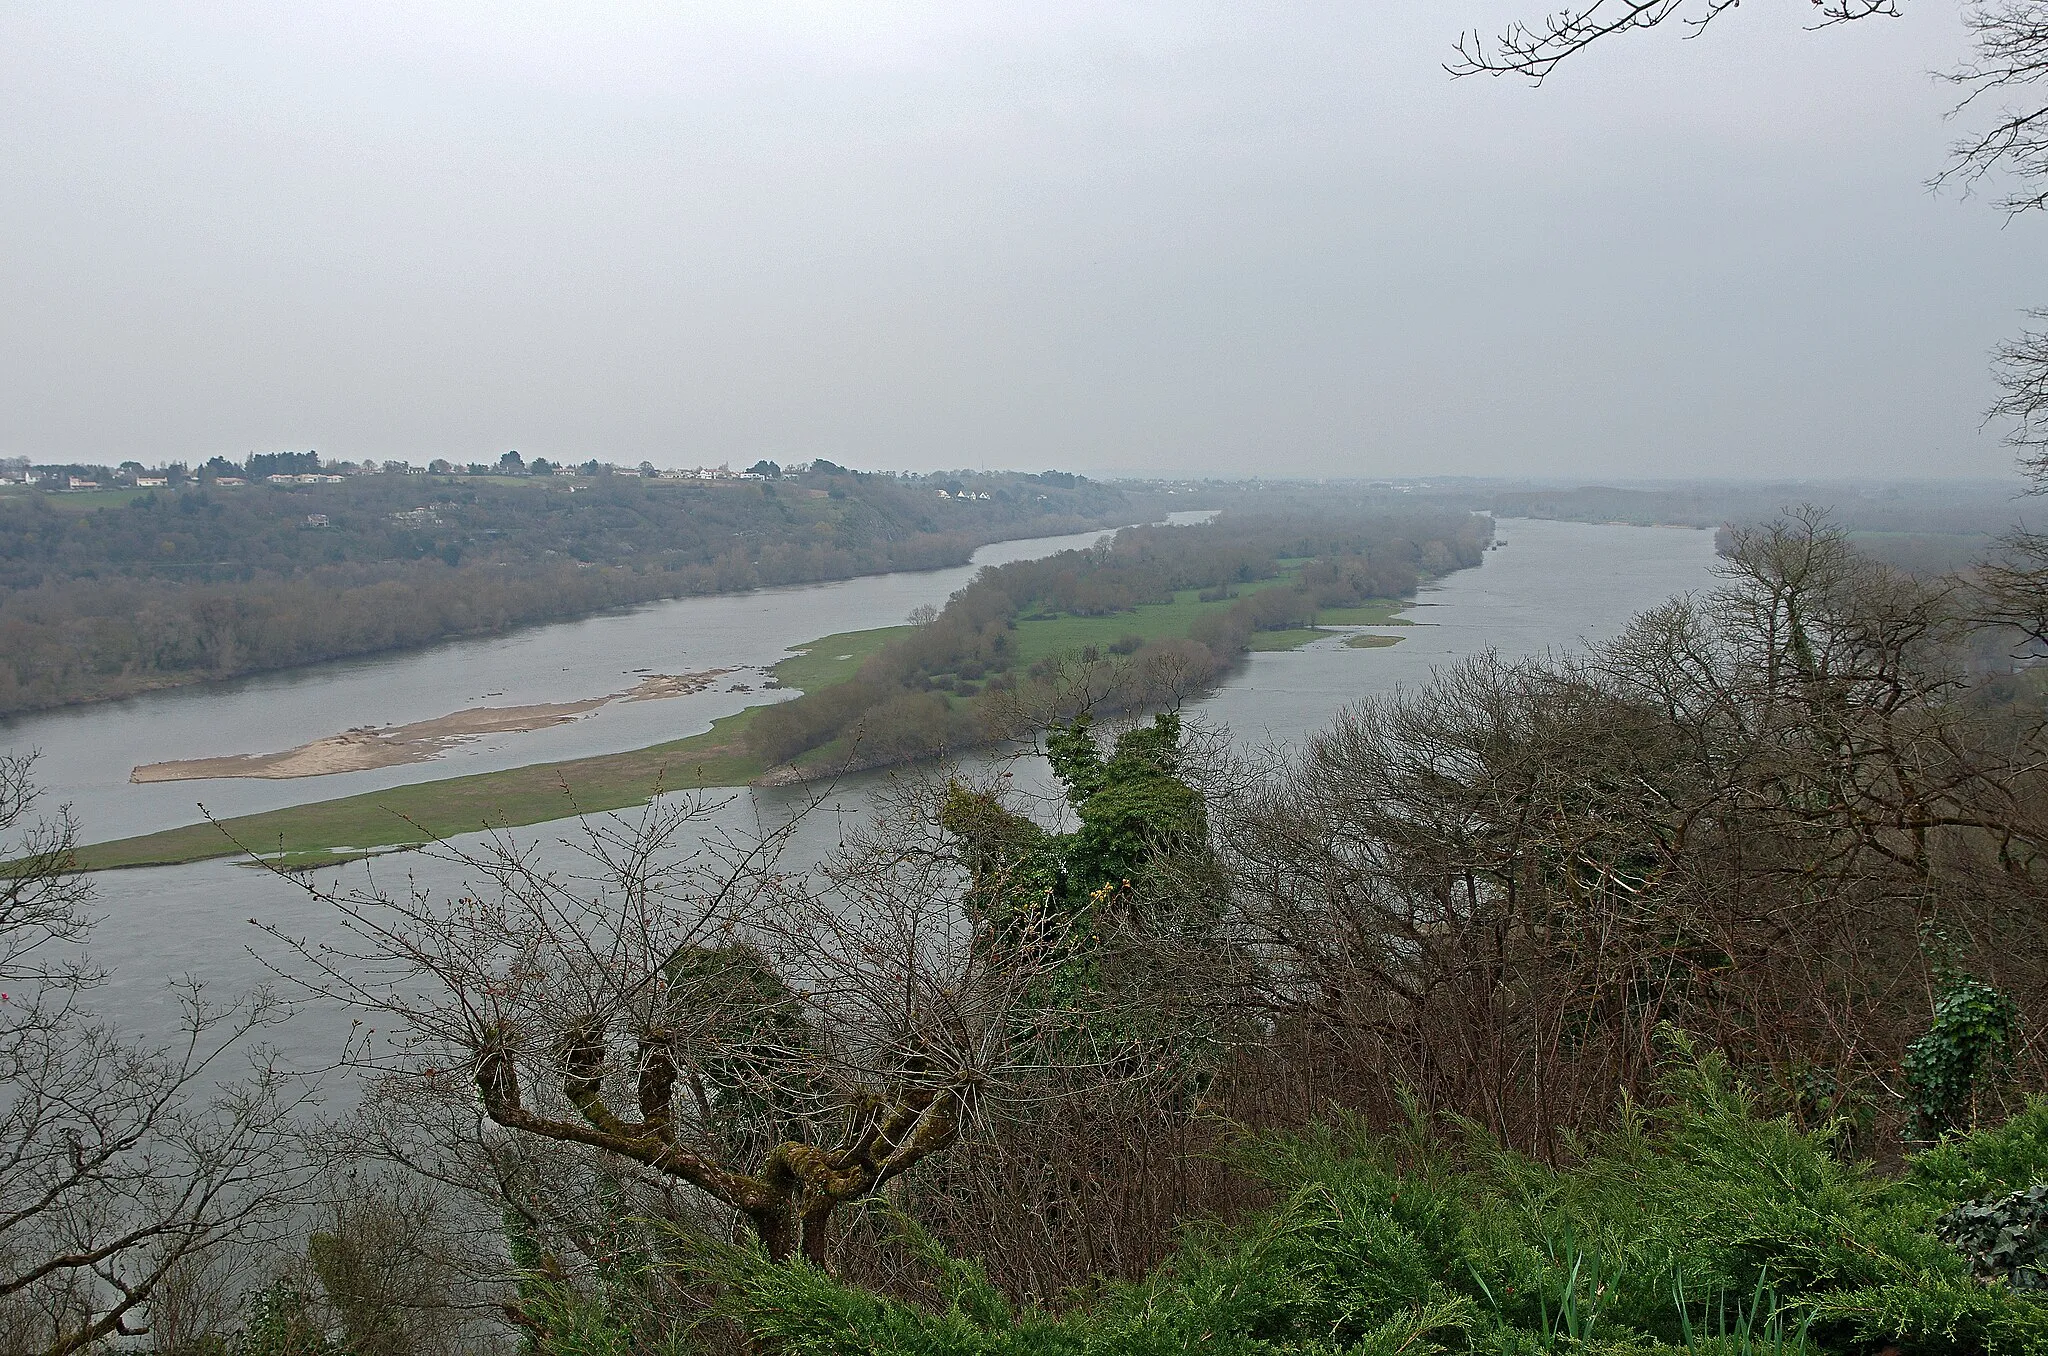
1190	239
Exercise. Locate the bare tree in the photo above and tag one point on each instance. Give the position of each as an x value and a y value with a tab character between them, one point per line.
2012	55
2023	402
2016	583
42	898
745	1046
1742	816
121	1163
2011	58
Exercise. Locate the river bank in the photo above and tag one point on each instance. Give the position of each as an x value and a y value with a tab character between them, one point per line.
1554	584
203	584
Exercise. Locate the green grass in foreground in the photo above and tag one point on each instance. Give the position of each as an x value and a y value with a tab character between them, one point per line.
1703	1227
333	831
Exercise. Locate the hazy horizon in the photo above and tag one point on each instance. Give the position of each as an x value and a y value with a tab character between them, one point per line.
1214	240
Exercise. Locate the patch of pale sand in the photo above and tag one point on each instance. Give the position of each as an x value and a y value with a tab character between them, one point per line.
366	747
657	686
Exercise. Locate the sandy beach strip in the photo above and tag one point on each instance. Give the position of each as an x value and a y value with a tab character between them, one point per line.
367	747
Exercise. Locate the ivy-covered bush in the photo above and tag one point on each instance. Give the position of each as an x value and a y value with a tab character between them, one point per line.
281	1320
1971	1037
2004	1239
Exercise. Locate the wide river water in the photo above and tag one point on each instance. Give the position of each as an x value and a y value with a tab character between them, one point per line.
1549	586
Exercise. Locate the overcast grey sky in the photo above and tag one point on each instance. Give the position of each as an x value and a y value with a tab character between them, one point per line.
1197	237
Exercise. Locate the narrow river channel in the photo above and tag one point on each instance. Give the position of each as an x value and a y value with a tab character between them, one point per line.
1550	585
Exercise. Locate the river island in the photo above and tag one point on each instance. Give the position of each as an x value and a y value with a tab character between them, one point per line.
1165	611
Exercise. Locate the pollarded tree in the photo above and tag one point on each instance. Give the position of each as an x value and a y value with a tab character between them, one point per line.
739	1045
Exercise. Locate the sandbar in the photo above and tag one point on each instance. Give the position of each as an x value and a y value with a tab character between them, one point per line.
366	747
656	687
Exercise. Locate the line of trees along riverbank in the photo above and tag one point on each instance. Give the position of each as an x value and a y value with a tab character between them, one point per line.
209	583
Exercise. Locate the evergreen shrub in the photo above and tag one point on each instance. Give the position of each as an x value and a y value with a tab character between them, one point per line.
1700	1226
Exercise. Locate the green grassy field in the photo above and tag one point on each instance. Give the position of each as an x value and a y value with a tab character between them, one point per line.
834	659
333	831
88	499
1042	638
1372	614
1263	642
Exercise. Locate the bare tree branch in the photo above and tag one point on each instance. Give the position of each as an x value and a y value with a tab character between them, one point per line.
119	1160
776	1042
2011	56
1535	49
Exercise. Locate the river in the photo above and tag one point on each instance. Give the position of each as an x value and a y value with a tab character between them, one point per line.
1550	585
87	752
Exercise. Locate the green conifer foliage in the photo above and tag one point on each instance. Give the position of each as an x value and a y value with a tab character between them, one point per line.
1698	1227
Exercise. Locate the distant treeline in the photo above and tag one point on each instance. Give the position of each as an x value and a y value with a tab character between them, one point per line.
1964	508
210	534
960	679
1927	529
210	582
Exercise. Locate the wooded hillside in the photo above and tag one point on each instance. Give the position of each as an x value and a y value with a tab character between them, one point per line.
209	581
